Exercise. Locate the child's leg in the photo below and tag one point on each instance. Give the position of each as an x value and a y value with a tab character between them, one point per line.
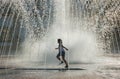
63	57
58	57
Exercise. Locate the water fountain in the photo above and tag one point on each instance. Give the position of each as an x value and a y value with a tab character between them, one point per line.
41	49
37	17
29	30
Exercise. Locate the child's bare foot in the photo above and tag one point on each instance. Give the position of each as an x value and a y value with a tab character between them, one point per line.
61	63
66	66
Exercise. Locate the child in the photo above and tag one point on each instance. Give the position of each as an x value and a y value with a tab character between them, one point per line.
61	53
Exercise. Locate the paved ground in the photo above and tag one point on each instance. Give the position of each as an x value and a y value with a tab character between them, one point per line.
108	70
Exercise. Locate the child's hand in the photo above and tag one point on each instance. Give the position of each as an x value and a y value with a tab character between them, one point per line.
67	49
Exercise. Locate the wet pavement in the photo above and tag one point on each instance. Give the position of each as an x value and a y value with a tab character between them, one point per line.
108	70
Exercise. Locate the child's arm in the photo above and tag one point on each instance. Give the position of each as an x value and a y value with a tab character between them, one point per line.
65	47
56	48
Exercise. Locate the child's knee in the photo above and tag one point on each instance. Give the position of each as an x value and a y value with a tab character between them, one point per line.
57	57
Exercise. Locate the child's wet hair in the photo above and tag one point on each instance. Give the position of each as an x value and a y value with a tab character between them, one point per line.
59	40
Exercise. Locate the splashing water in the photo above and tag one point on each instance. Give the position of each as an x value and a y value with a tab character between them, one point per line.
74	37
78	23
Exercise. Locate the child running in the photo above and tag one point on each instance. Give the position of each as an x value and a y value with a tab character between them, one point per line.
61	53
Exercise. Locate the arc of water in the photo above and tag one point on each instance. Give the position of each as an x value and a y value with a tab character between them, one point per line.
14	29
18	40
113	43
3	24
7	34
5	18
116	42
118	30
3	9
116	39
